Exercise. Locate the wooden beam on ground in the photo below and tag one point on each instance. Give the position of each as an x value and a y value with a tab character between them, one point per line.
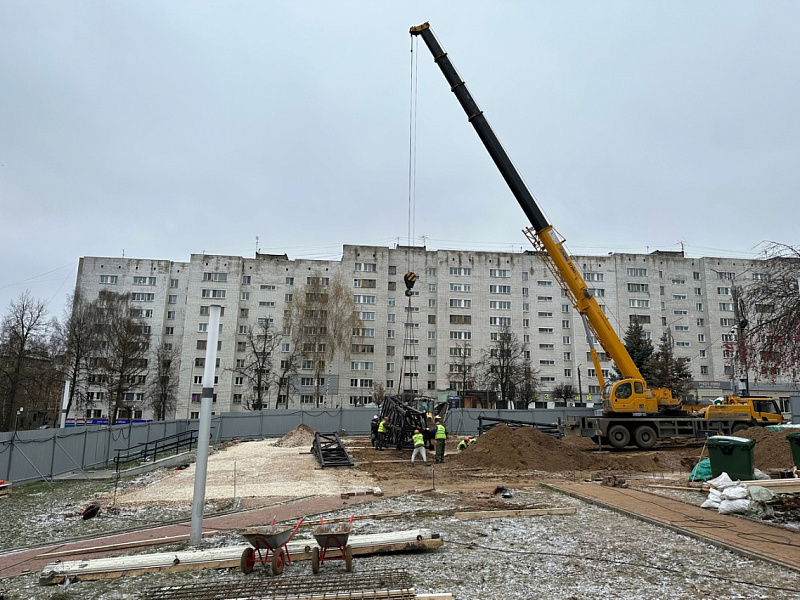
779	486
529	512
228	557
685	488
122	546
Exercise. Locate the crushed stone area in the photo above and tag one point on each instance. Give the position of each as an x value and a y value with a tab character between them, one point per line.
246	470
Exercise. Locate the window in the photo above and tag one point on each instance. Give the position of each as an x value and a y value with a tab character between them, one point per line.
679	296
170	315
241	346
698	306
565	339
142	297
544	298
245	279
641	319
597	292
289	281
703	370
524	292
460	287
205	311
526	307
244	313
362	348
500	321
237	399
460	320
524	276
215	277
245	296
368	267
701	337
169	331
678	282
202	327
267	286
499	289
431	288
567	355
243	329
366	316
681	328
432	368
726	322
701	322
544	283
285	347
267	304
363	299
565	324
460	303
500	304
683	344
212	293
698	291
545	315
680	313
638	303
392	270
390	367
306	399
432	335
499	273
589	276
390	334
547	379
365	283
460	335
761	277
547	362
526	322
723	275
461	271
431	271
144	280
390	318
726	306
461	351
702	353
547	346
637	272
109	279
358	365
696	276
724	291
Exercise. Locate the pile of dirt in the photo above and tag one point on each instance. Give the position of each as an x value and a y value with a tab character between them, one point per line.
528	449
772	450
302	435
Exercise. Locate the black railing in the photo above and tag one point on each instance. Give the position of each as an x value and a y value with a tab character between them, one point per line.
153	448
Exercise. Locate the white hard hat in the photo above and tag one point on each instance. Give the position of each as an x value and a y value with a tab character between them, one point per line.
374	416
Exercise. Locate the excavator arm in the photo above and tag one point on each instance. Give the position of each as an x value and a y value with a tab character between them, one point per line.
631	393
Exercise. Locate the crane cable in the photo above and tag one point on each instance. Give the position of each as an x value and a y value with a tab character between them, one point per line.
412	153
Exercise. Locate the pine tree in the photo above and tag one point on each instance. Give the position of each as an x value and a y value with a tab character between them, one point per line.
667	371
640	349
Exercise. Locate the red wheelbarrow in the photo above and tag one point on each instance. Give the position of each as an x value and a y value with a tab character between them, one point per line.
265	542
332	537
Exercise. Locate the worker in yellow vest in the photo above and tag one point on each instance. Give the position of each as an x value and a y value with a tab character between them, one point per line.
439	438
419	446
383	429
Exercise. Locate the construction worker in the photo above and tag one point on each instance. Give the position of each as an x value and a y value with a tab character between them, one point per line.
373	431
419	446
383	429
462	445
439	439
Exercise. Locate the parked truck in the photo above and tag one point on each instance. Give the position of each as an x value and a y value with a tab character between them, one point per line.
633	412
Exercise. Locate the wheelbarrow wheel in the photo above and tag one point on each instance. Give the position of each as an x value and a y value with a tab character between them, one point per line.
315	560
248	560
348	558
278	560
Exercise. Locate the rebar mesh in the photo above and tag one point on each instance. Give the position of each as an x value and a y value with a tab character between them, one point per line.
362	585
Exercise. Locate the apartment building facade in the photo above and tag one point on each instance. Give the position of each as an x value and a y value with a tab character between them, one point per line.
458	304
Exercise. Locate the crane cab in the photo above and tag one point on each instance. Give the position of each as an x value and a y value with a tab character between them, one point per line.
633	396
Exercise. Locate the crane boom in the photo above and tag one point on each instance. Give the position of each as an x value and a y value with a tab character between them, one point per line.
633	396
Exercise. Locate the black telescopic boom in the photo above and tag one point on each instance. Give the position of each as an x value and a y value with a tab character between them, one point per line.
484	131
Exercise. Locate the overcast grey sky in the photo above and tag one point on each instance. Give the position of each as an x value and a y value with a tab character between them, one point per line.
163	129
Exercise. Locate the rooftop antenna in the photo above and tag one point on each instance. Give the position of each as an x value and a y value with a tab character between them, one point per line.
257	248
123	253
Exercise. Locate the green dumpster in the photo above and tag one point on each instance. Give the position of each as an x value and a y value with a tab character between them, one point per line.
731	455
794	442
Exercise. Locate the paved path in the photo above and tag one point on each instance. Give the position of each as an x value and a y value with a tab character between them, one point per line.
25	561
750	538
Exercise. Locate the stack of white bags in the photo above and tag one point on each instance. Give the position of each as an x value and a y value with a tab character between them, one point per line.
730	497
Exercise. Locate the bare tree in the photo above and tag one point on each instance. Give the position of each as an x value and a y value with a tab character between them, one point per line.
123	350
528	385
23	343
161	390
503	364
769	323
77	337
462	370
564	392
378	392
255	366
287	373
323	319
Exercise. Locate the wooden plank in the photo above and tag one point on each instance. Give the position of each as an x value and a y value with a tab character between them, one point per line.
444	596
122	546
227	557
781	486
677	487
531	512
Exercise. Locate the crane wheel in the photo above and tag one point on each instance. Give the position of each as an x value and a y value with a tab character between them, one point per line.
645	437
619	436
737	427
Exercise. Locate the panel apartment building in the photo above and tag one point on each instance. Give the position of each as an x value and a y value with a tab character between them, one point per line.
460	300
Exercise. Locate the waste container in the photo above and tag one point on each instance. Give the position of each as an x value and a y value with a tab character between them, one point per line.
794	442
731	455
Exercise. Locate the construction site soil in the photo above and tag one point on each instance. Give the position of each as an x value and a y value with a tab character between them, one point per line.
269	472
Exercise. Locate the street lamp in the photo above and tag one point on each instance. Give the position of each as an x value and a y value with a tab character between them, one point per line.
16	419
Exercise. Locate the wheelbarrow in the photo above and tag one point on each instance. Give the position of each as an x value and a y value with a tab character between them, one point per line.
268	545
332	537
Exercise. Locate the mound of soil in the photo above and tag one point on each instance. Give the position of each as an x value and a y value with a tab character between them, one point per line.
772	449
528	449
302	435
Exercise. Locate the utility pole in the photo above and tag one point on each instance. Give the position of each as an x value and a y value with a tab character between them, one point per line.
580	389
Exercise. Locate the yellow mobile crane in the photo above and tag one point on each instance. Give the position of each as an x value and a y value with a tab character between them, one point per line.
639	412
